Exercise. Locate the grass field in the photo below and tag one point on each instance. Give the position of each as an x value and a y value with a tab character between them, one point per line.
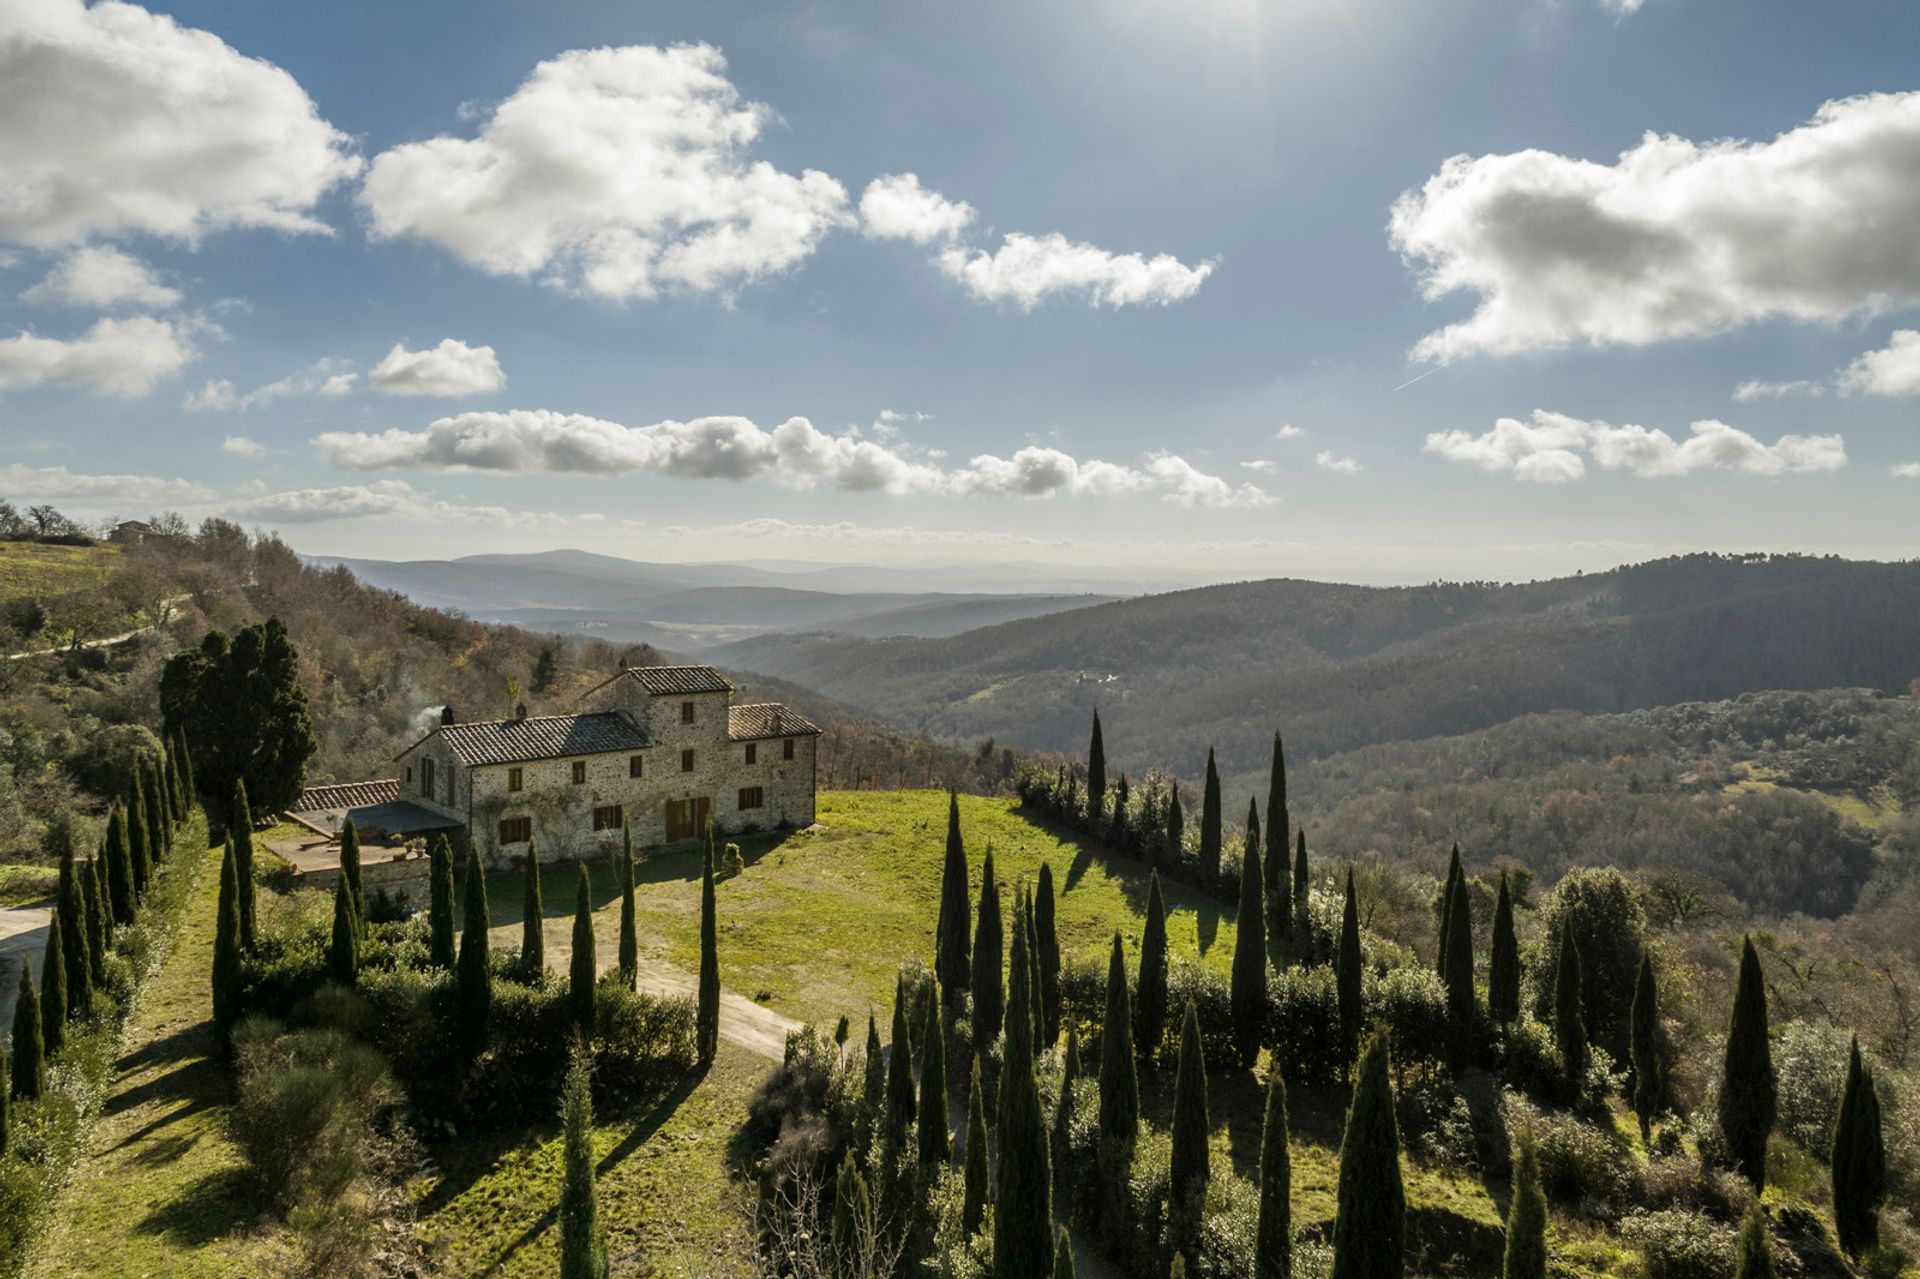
1875	810
32	570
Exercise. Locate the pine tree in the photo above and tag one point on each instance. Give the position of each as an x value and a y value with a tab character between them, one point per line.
473	982
93	895
119	866
226	943
706	1023
629	927
1150	1019
1754	1258
1302	913
343	951
1747	1096
1119	1085
1858	1160
29	1050
850	1236
53	989
1063	1256
1210	825
350	870
935	1143
583	1245
1649	1084
1274	855
1273	1238
1369	1230
1047	944
1023	1223
1176	822
1346	976
1569	1016
1096	775
240	826
989	997
951	951
1503	965
1249	990
533	916
977	1189
440	902
70	908
1462	1006
1526	1256
582	966
1192	1127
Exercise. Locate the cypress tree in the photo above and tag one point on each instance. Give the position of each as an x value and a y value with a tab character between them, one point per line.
139	834
1150	1019
533	933
1754	1260
1096	774
583	1245
159	827
240	826
1747	1096
1019	1021
1273	1239
473	983
1279	898
92	894
1369	1230
184	757
440	902
1249	990
1302	913
629	927
53	989
1119	1085
1858	1160
989	997
1063	1256
350	870
343	951
1461	1003
158	805
1047	946
1346	976
706	1024
851	1235
1023	1223
1039	1015
935	1143
951	951
1526	1256
582	966
873	1095
1210	826
1569	1018
6	1105
176	792
1062	1136
1118	829
71	909
1503	965
226	944
1176	822
1192	1127
977	1189
1454	879
1648	1082
29	1051
119	867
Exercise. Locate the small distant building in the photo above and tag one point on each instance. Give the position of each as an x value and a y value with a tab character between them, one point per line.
131	533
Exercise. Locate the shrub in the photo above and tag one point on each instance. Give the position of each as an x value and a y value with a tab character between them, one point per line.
1809	1065
1411	1003
1580	1164
304	1110
1212	1003
1303	1024
1678	1244
731	862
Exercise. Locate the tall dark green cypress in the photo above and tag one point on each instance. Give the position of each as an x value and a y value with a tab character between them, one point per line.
977	1188
160	823
582	965
989	996
1302	884
629	925
1063	1255
1462	1004
1119	1084
1176	822
1454	880
583	1244
226	944
343	951
1192	1127
119	866
1062	1135
1273	1238
93	894
53	989
851	1236
350	870
706	1024
1346	976
1249	990
473	982
1023	1222
176	792
1096	774
1649	1083
29	1076
873	1092
184	757
1503	963
70	908
1019	1027
1150	1015
1569	1014
1119	829
139	834
1526	1255
935	1144
1753	1259
240	824
533	916
1857	1159
1046	941
1038	1022
1370	1228
440	902
1747	1093
952	951
1274	855
1210	819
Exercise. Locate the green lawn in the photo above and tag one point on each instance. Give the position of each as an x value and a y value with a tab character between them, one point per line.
24	885
29	569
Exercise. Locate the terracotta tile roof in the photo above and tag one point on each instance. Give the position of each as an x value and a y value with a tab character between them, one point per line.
506	741
662	680
767	719
345	795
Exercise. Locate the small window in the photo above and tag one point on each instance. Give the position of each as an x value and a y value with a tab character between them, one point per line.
607	817
751	797
516	830
409	774
451	778
686	761
786	749
633	766
426	778
753	752
516	779
579	772
686	712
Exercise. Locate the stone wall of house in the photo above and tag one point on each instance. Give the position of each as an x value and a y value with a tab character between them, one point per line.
409	878
450	782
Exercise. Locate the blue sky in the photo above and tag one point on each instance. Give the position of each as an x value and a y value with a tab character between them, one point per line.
260	248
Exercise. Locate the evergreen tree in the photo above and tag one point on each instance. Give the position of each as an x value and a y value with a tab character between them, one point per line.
1023	1222
706	1024
1858	1160
1747	1096
1192	1127
1346	974
350	870
1754	1258
440	902
851	1234
1150	1019
989	997
1649	1084
1302	915
1096	774
873	1093
1047	947
951	949
1454	879
629	927
53	989
1019	1020
1274	855
472	981
139	838
176	791
29	1050
545	669
1119	1085
241	705
6	1105
1458	971
1249	990
93	894
533	912
1526	1256
226	944
240	826
183	758
1063	1256
70	908
582	966
1176	822
1210	825
343	951
119	866
1273	1238
1062	1137
1369	1229
935	1143
977	1189
160	832
1119	827
583	1245
1503	965
1569	1016
1039	1014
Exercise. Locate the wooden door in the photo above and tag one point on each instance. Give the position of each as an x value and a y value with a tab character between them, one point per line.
687	818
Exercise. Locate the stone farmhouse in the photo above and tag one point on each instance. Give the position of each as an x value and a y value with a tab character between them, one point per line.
661	747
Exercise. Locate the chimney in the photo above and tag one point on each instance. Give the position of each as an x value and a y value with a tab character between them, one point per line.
520	711
446	714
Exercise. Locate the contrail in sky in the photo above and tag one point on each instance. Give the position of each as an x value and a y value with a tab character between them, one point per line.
1429	373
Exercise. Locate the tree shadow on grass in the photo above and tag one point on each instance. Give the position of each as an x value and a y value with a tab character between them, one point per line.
213	1207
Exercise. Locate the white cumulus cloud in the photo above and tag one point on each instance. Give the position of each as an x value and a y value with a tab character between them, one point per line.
897	207
57	483
123	357
328	377
1553	448
1892	370
1757	389
100	276
1908	470
1027	269
1328	460
613	172
117	121
1676	238
449	369
241	446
